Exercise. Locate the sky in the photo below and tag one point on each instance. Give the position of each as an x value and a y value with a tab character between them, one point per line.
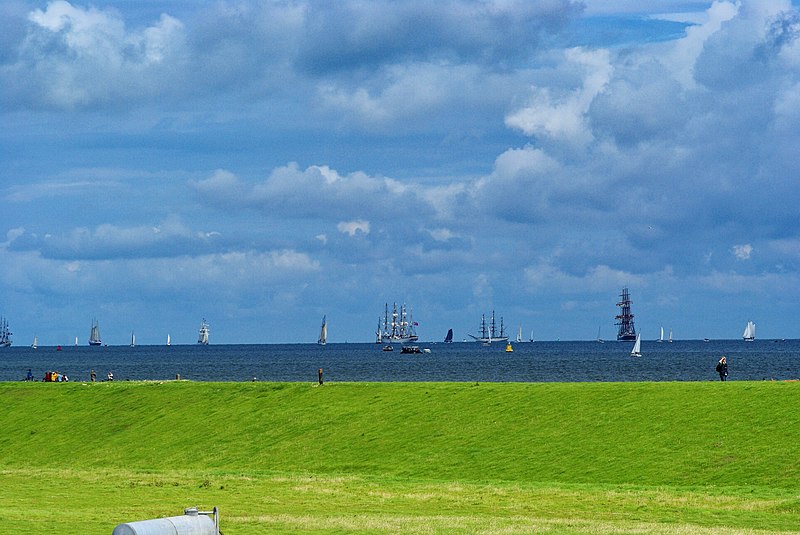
262	164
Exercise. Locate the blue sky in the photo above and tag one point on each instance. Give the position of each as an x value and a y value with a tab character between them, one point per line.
260	164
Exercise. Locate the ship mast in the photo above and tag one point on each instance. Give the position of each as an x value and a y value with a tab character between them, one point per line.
627	330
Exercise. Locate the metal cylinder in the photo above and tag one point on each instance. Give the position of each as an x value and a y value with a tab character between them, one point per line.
175	525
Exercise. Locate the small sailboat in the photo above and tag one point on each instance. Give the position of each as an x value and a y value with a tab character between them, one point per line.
323	332
661	337
637	347
509	349
749	332
202	337
76	341
133	339
519	335
448	339
531	340
35	344
599	340
94	334
670	335
169	341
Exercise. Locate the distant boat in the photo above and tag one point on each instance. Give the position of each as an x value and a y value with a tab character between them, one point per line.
489	333
448	339
600	340
627	330
637	347
5	333
531	336
35	344
169	342
323	332
519	335
378	339
94	334
76	341
410	349
670	335
400	328
202	337
661	338
749	332
387	348
133	339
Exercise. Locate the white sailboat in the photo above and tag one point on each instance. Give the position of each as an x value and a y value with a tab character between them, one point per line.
35	344
323	332
202	337
94	334
661	338
133	339
749	332
670	335
519	335
637	347
169	341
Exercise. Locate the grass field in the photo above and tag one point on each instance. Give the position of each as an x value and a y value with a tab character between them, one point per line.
403	457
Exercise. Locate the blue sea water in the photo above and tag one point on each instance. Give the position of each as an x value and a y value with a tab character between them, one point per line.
692	360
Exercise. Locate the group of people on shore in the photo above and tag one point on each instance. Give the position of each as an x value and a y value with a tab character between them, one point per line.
58	377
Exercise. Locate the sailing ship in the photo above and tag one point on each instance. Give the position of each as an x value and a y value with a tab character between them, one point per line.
169	340
94	334
202	338
519	335
661	337
627	331
35	344
133	339
637	347
670	335
489	333
323	332
749	333
448	339
5	333
599	339
400	328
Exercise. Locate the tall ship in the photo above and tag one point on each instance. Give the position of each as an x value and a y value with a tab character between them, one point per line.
94	334
5	333
489	332
399	327
749	333
202	337
323	332
627	331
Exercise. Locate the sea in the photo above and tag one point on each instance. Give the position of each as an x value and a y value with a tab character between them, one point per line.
556	361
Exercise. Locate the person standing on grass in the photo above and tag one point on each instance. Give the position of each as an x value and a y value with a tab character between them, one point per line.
722	369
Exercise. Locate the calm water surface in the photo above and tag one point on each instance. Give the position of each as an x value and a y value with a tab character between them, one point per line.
530	362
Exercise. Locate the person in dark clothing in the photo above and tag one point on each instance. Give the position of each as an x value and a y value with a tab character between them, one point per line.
722	369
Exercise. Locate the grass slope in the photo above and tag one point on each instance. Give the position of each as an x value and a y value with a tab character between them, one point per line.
410	457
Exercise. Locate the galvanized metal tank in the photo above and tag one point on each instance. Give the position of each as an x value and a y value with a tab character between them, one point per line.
189	524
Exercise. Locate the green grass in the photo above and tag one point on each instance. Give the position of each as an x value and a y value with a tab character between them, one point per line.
403	457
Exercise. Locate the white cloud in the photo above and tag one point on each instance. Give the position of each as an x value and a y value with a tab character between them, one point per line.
742	252
352	227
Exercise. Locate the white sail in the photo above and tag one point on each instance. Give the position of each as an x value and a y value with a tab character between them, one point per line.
94	334
661	337
169	341
637	347
749	332
670	334
519	335
35	343
133	339
323	332
202	337
399	327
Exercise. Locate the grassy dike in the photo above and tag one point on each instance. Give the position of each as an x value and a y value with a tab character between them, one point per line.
403	457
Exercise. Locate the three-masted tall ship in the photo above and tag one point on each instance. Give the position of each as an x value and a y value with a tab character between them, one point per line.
489	333
202	337
627	331
5	333
94	334
399	328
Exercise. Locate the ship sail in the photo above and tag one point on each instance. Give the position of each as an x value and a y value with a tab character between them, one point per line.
133	339
661	338
749	332
169	341
637	347
448	339
519	334
94	334
323	332
35	344
202	337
